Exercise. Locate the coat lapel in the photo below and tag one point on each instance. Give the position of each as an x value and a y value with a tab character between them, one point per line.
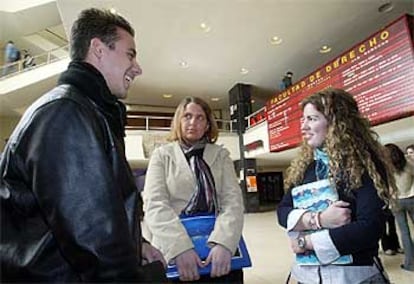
210	154
182	161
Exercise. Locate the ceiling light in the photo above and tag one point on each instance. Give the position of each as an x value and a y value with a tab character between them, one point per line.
244	71
252	101
183	64
215	99
167	96
205	27
275	40
325	49
386	7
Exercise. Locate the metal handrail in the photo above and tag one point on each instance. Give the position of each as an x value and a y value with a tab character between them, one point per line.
15	68
261	110
226	125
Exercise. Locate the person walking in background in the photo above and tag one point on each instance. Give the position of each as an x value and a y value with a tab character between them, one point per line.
11	55
410	153
336	191
404	178
192	176
70	210
389	239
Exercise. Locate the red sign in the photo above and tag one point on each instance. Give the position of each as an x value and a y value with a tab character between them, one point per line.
379	72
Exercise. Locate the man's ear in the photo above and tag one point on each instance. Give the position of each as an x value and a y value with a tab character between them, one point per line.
96	47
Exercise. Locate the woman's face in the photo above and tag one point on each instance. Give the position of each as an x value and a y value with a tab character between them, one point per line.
314	126
410	154
194	123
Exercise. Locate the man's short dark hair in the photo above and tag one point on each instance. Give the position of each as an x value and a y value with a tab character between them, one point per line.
91	23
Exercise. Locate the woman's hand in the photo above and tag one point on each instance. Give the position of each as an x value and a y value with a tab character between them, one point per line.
336	215
296	248
220	258
187	265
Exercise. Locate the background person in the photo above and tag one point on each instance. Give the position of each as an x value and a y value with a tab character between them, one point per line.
190	176
286	81
69	205
28	60
338	148
410	154
404	178
11	55
389	240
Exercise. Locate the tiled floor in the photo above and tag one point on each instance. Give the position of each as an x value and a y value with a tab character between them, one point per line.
272	257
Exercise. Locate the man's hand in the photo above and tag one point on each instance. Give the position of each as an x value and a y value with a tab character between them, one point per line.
187	265
151	254
220	258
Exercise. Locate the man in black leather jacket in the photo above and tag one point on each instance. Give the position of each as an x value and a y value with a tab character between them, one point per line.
70	210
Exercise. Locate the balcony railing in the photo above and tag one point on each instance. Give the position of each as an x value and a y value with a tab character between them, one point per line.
163	123
256	118
18	67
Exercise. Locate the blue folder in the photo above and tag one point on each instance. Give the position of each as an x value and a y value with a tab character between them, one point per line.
199	229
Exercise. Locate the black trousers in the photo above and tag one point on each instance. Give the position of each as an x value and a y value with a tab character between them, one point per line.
234	277
389	239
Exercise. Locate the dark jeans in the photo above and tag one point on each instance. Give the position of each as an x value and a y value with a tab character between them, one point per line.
235	276
389	239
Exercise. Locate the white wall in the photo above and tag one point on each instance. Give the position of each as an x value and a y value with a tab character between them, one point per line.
139	143
257	132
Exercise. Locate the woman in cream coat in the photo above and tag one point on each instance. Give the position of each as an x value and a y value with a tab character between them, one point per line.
177	183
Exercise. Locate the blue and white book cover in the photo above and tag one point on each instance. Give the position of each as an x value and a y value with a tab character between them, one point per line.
199	229
315	196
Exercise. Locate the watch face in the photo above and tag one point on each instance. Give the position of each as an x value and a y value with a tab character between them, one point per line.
301	242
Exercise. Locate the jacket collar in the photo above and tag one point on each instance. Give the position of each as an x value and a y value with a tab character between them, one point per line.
210	154
91	83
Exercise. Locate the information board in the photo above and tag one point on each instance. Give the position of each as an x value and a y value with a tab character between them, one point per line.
378	71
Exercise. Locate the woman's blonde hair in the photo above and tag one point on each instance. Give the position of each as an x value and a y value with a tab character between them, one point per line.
212	131
351	145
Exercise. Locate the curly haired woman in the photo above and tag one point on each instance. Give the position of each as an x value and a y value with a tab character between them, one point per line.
341	154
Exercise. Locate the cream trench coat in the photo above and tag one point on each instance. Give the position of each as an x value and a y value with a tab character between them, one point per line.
168	187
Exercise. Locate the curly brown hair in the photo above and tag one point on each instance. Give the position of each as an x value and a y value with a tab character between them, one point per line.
351	145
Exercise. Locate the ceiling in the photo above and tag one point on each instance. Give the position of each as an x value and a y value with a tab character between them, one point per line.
168	33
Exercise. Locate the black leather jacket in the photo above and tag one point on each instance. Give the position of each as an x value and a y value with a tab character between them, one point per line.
69	205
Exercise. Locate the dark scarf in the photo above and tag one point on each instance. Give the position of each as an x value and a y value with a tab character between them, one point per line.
204	199
90	82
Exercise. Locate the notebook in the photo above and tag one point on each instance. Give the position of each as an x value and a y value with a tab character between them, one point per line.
199	229
315	196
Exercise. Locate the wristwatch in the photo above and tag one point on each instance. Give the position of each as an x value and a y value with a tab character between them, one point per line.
301	242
